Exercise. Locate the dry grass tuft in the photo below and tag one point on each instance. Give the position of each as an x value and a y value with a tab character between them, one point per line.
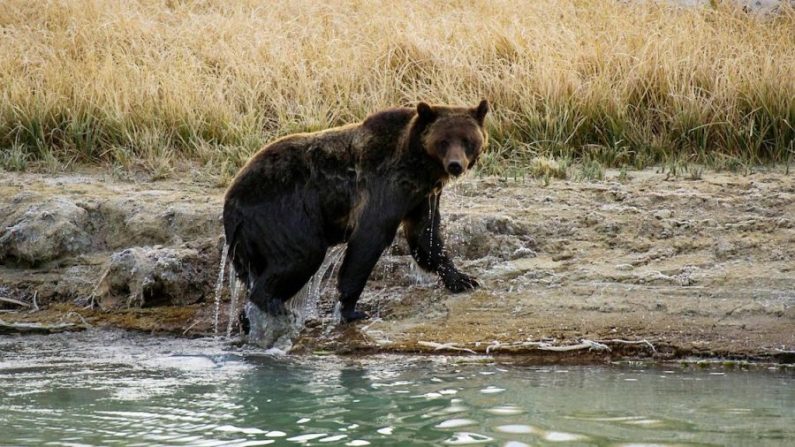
547	168
149	83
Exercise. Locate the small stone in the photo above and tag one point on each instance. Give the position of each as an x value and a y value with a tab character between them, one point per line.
523	252
663	214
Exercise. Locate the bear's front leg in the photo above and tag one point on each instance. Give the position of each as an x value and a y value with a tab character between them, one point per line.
421	228
455	280
373	234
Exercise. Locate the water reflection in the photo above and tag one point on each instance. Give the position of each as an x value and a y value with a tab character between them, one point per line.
118	388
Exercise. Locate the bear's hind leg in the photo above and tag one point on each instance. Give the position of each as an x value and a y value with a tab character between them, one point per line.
263	296
275	286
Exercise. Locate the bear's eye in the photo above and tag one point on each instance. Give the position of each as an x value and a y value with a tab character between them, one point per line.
469	147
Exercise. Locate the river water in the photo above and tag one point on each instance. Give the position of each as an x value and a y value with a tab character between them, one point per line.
118	388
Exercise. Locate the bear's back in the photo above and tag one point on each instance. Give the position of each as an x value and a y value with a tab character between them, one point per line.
390	122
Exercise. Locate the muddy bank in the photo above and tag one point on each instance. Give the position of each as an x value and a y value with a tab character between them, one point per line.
575	271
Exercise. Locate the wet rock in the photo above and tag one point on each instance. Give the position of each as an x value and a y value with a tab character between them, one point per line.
503	225
189	221
147	227
36	328
538	277
554	228
157	276
477	235
523	252
45	231
128	223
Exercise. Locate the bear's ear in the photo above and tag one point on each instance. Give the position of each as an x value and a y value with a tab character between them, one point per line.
425	112
480	112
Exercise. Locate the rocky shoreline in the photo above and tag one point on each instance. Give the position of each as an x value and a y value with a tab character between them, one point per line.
647	266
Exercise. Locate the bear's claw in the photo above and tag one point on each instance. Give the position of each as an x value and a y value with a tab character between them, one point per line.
460	282
353	315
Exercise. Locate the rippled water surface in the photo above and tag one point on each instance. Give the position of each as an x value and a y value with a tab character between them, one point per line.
101	388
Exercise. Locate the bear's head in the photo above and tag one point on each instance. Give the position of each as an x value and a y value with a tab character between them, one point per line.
453	136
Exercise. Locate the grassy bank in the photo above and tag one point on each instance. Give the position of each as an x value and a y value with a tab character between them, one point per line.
147	84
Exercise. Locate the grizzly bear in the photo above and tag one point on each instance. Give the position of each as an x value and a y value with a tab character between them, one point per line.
354	184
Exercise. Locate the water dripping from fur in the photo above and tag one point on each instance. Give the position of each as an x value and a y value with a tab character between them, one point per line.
431	218
278	332
219	287
235	286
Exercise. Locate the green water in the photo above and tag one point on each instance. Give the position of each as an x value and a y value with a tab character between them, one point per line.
103	388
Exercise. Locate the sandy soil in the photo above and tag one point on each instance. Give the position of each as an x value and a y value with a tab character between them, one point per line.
689	267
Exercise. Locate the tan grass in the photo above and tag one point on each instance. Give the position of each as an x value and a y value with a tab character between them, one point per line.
148	83
548	168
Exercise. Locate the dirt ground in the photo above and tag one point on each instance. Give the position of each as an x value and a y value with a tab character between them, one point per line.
645	266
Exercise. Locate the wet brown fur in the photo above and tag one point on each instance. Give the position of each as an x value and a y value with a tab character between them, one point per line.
357	183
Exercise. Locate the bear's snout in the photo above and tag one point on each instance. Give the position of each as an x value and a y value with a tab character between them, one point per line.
455	161
455	168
